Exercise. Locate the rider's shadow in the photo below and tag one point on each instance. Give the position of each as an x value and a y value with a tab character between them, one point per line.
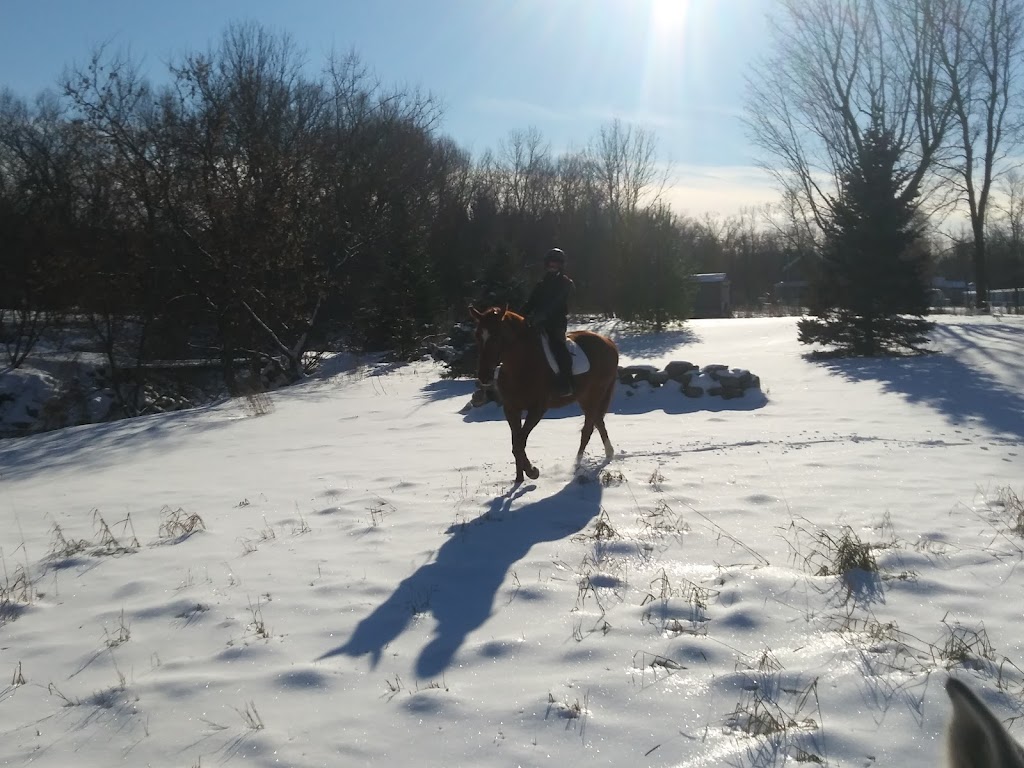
458	588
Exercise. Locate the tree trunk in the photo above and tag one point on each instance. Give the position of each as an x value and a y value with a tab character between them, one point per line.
980	270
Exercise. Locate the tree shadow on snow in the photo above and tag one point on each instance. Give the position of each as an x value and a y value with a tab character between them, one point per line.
444	389
637	344
458	588
946	383
98	446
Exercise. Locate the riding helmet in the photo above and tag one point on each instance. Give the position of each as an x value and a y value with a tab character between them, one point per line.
555	255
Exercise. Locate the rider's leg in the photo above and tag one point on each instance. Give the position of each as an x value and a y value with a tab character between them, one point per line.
556	338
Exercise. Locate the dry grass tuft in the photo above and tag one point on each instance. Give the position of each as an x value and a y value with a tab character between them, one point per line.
1013	509
963	646
611	478
179	524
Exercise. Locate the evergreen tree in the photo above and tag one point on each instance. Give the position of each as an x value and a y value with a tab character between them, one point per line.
870	293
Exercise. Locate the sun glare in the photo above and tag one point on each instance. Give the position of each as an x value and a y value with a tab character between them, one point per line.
668	19
670	48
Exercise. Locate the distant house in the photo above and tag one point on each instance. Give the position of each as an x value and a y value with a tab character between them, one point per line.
791	293
711	298
952	291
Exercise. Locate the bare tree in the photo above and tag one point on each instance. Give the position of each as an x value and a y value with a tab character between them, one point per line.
38	154
837	66
220	163
982	42
525	165
624	159
574	182
1013	221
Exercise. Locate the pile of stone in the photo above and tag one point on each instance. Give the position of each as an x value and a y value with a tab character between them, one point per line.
693	381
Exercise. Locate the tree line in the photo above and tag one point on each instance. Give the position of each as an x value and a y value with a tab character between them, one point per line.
250	210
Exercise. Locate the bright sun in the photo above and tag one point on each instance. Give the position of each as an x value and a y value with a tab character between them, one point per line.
672	50
668	19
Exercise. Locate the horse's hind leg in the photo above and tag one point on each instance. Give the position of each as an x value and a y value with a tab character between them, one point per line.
593	416
588	430
606	402
609	450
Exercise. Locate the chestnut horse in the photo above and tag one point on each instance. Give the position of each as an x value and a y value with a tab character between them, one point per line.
526	381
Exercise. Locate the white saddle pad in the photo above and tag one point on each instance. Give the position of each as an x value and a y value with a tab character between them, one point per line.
580	363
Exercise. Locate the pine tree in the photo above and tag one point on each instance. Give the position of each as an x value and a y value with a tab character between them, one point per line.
870	294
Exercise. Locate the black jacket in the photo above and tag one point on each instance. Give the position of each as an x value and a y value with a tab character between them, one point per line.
549	302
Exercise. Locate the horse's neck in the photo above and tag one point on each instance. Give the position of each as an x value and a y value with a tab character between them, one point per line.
522	352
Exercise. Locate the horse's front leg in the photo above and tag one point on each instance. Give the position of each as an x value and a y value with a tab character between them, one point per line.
515	425
533	417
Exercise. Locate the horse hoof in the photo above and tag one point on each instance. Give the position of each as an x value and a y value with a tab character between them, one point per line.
533	473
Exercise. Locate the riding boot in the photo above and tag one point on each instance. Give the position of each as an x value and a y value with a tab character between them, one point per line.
564	382
563	379
564	385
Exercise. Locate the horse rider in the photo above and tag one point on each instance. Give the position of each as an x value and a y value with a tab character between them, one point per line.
547	310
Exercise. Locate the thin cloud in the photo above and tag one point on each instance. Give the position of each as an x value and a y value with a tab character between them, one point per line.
651	118
522	109
696	190
662	119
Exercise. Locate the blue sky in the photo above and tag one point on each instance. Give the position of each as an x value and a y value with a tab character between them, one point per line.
563	66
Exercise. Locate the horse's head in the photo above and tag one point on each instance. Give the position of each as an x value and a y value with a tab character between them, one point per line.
491	333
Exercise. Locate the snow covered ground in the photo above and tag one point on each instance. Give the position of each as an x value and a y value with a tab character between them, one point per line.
348	577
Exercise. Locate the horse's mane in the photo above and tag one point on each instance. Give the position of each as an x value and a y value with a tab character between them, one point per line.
504	312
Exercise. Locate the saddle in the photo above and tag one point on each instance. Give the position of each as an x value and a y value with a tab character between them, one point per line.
580	363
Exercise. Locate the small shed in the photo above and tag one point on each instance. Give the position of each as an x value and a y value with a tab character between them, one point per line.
711	299
952	292
791	293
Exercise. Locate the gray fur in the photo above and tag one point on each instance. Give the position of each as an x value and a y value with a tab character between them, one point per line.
976	738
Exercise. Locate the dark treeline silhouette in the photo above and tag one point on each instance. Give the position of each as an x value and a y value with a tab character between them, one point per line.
248	212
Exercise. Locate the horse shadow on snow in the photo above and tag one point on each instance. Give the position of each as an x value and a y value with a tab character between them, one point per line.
459	586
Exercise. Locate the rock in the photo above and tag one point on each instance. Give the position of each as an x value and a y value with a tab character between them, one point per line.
716	379
678	369
631	374
736	378
658	378
715	370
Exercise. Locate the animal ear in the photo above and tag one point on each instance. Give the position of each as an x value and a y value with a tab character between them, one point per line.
477	314
975	736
